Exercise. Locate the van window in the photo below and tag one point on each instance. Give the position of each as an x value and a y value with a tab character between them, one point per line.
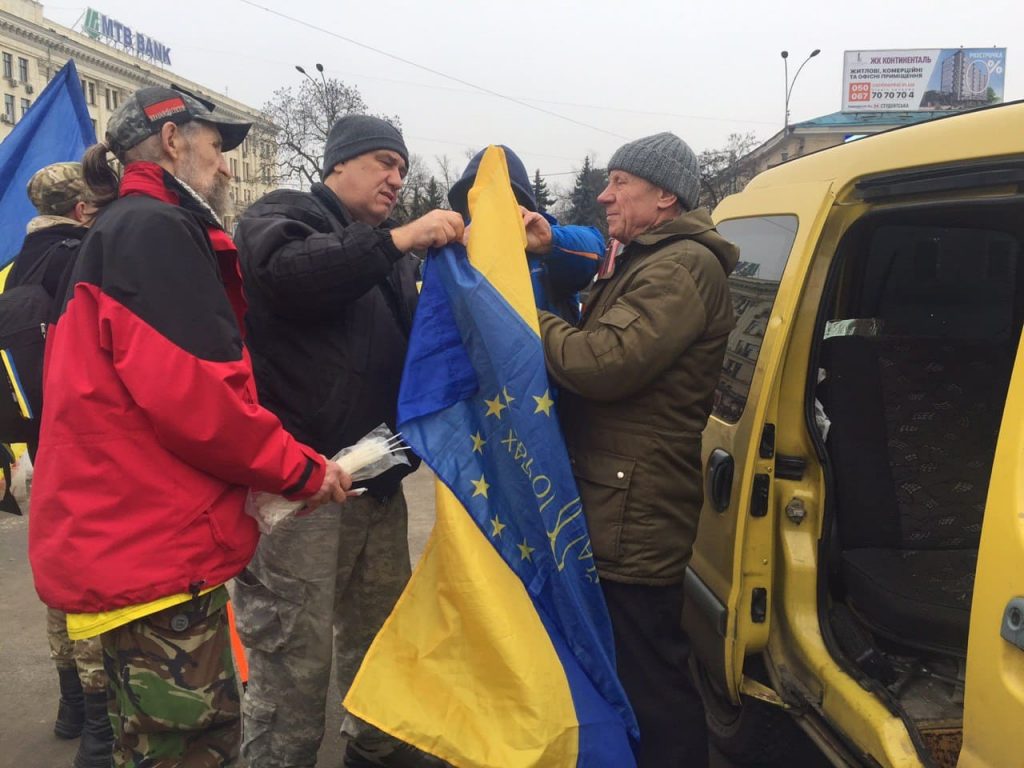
765	243
941	281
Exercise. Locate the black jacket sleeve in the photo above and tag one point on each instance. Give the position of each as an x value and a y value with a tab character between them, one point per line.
306	273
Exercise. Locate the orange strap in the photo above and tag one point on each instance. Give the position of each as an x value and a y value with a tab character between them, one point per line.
237	649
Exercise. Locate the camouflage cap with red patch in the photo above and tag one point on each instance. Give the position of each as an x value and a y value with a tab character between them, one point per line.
145	112
56	188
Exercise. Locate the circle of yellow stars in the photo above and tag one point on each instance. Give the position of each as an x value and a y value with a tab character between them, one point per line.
495	406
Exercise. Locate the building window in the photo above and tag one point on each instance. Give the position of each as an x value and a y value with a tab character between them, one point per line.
111	98
765	243
245	167
234	168
22	69
92	93
8	66
8	108
25	104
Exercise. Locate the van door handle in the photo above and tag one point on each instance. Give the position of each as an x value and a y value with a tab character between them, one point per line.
720	472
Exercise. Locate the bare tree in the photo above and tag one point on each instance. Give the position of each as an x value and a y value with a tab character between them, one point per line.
725	171
413	191
560	207
449	174
301	118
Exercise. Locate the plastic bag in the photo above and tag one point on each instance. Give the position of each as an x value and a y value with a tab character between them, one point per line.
371	456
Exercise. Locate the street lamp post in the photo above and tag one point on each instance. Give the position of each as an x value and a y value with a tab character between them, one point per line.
328	103
320	69
789	85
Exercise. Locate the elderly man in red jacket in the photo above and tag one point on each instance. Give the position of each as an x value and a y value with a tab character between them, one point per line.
152	435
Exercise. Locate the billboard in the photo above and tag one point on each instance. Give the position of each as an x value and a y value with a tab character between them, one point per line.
923	79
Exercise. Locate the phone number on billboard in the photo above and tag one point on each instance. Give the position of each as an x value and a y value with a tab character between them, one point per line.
889	95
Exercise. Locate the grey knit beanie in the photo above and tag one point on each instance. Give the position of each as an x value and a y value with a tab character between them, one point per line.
355	135
666	161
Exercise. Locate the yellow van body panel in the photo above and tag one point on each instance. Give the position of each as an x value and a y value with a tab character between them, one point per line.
994	697
734	552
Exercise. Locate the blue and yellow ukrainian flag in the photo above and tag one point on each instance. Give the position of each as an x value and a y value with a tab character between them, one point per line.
55	129
499	652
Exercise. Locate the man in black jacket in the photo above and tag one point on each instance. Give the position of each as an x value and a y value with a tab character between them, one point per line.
65	209
331	292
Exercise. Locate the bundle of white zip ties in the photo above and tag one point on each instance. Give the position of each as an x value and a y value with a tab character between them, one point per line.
373	455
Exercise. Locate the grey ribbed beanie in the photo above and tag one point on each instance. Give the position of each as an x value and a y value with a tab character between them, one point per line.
666	161
354	135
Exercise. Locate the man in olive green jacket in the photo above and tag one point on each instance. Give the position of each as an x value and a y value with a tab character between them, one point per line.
638	378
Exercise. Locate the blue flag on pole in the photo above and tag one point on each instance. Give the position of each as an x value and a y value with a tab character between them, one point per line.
55	129
500	651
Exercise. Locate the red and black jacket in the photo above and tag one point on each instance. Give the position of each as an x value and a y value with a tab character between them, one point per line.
152	433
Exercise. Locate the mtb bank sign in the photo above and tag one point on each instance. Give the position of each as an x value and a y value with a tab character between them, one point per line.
100	27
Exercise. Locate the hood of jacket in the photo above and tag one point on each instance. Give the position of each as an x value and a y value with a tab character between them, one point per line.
39	223
458	196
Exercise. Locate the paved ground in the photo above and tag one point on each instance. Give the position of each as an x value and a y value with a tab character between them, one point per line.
28	682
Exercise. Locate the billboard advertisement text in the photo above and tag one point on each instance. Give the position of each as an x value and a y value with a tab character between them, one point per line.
923	79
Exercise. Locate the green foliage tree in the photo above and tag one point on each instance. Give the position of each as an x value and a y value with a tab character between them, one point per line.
541	193
434	195
583	206
420	193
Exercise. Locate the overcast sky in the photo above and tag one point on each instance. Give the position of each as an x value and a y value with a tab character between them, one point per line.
625	68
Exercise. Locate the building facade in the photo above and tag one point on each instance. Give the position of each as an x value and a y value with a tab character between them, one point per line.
965	83
33	49
819	133
804	138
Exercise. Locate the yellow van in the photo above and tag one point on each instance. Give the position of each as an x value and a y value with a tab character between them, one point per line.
859	568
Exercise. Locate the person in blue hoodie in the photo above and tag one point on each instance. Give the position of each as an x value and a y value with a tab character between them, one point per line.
563	259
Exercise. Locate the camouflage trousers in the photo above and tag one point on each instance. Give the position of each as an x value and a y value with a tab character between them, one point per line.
173	696
85	655
319	586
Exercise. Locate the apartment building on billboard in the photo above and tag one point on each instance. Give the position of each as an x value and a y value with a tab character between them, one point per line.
963	80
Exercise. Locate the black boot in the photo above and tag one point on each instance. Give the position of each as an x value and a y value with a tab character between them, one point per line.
400	756
97	744
71	708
